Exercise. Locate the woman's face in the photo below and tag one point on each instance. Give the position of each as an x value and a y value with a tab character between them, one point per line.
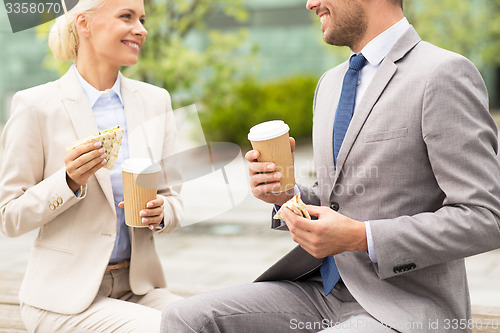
116	32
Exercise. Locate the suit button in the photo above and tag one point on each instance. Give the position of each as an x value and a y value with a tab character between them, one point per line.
52	207
55	203
335	206
60	200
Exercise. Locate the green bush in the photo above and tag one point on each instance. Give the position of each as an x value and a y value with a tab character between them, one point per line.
230	118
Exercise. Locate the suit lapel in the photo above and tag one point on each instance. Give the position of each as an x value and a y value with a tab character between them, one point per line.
84	124
379	82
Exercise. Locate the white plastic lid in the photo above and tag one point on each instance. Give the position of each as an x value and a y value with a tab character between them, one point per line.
268	130
140	166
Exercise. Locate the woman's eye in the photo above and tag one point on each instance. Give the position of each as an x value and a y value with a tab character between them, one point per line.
142	21
127	16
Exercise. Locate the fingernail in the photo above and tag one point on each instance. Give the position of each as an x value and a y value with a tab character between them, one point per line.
277	175
97	144
149	205
144	220
270	166
104	161
276	185
103	156
151	227
142	213
101	150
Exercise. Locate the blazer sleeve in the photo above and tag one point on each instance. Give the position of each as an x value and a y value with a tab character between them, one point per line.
462	146
28	198
170	191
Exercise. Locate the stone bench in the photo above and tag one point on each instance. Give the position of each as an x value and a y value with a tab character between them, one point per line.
486	319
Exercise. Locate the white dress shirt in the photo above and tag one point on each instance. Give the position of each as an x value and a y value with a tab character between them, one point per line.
109	112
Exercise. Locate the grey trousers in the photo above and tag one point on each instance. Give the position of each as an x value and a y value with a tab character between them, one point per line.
115	309
276	307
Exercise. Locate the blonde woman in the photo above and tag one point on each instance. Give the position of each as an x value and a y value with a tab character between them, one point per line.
88	271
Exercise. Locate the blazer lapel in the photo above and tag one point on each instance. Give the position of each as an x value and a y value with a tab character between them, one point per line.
379	82
84	124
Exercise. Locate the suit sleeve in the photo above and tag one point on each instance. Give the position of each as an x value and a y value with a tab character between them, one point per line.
28	198
461	141
170	191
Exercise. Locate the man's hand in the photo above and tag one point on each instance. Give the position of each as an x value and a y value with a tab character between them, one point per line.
264	178
330	234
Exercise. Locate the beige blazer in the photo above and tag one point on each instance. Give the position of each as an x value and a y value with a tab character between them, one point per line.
76	235
419	161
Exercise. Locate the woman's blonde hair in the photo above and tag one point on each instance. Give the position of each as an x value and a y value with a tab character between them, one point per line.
63	37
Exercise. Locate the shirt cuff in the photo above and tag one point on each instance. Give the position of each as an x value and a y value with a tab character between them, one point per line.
369	241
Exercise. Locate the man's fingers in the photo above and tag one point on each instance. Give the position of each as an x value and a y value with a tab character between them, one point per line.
317	210
261	167
252	155
265	189
262	178
298	224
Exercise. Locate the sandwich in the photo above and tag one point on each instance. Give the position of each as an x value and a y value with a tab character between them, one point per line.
296	205
111	141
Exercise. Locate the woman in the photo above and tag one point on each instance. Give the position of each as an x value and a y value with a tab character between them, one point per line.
88	271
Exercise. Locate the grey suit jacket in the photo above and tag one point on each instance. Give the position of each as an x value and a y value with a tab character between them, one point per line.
419	161
77	235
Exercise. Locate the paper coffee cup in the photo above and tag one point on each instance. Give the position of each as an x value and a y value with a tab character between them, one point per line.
272	141
140	182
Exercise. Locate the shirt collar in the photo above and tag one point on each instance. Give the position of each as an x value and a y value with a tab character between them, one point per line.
378	48
93	94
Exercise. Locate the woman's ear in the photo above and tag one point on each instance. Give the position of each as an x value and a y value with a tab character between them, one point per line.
82	25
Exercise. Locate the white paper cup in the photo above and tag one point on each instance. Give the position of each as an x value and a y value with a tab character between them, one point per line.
140	182
271	139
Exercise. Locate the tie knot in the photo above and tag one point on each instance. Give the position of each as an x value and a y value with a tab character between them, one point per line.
357	62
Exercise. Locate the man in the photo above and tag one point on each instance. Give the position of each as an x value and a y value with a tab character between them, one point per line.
408	185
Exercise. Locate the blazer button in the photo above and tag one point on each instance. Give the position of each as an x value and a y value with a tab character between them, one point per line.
52	207
335	206
55	203
60	200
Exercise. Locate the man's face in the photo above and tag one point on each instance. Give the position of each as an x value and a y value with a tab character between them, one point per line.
343	22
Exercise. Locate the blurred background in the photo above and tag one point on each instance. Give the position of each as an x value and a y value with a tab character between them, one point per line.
243	62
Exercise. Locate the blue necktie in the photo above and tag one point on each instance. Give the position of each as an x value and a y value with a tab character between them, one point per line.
329	272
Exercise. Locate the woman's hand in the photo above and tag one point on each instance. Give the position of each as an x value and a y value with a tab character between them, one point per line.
153	214
82	162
